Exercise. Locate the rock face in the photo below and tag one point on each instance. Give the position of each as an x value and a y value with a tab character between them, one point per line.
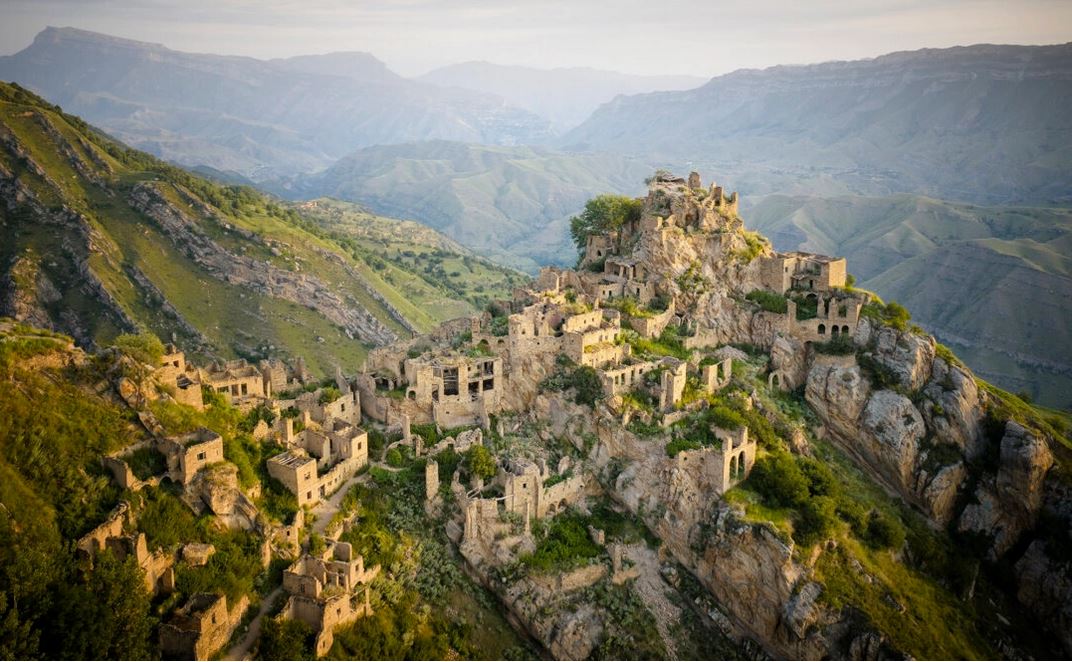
1009	504
890	435
955	408
1045	585
908	355
216	487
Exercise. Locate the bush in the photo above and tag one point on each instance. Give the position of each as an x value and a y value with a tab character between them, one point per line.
816	520
678	445
778	479
285	639
564	544
769	301
884	532
481	462
394	458
142	347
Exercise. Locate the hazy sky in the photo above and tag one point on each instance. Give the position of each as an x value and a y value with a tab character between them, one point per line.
638	36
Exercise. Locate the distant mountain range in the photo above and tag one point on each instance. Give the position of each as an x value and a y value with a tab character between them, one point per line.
99	239
565	96
994	283
511	204
986	124
255	117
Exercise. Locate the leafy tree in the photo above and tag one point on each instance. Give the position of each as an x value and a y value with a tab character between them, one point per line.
779	480
603	213
588	385
285	639
105	616
481	462
143	347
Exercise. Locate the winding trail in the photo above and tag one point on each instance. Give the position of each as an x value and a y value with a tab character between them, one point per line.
240	651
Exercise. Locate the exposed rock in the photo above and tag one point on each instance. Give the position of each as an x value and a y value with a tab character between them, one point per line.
1045	586
197	554
891	431
957	408
907	354
1008	504
789	356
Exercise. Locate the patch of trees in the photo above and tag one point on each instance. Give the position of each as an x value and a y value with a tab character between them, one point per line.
604	213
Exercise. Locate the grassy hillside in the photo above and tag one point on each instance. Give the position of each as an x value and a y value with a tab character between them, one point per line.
510	204
95	249
994	283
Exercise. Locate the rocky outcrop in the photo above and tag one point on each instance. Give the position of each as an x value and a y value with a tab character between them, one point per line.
216	488
954	408
1045	587
262	277
1008	504
907	355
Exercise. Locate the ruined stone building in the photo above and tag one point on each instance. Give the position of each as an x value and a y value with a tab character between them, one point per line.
174	372
189	453
158	565
326	591
201	627
720	467
835	316
802	271
328	450
241	384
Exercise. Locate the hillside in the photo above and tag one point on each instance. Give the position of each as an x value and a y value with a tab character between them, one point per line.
254	117
510	204
988	281
565	96
104	239
690	472
985	124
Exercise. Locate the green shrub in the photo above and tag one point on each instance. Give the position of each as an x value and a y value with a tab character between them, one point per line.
816	520
769	301
884	532
562	544
481	462
142	347
285	639
778	479
394	457
683	444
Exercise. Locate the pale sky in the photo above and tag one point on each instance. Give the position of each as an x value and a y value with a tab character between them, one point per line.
698	37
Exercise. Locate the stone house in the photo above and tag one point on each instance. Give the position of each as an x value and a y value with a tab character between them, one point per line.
803	271
835	316
325	591
184	379
321	460
241	384
201	627
719	468
158	565
191	452
669	387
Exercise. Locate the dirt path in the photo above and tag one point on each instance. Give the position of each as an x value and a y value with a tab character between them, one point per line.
652	590
240	651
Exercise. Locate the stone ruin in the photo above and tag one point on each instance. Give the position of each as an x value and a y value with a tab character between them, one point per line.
158	565
201	627
325	591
